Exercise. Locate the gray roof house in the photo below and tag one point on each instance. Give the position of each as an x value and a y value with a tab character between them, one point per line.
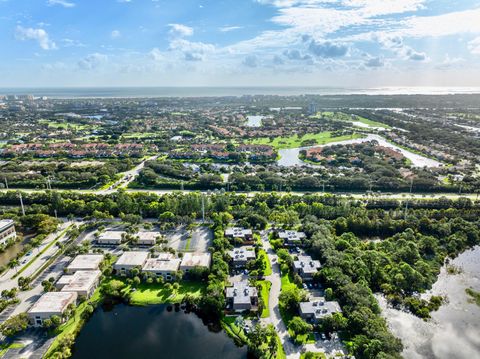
241	255
292	238
315	310
241	296
306	267
237	232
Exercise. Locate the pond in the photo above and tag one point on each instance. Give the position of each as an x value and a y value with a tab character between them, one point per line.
254	121
151	332
454	330
11	252
289	157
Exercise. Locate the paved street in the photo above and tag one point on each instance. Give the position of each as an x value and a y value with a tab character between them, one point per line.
291	350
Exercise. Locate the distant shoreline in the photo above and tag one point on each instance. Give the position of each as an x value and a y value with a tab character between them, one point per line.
159	92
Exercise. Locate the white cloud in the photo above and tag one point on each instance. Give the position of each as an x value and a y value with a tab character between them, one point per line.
63	3
39	35
156	54
192	51
474	46
180	30
374	62
92	61
230	28
115	34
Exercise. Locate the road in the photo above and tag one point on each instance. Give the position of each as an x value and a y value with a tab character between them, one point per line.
27	298
292	351
127	177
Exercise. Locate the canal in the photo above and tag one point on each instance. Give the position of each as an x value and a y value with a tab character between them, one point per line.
151	332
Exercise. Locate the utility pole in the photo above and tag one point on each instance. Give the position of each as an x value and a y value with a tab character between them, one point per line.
55	211
181	186
406	203
203	208
6	183
21	204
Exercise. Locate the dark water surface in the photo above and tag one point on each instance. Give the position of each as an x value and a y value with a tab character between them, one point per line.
151	332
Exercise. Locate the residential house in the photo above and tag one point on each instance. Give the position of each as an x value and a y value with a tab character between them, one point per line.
50	304
84	262
111	237
165	266
306	267
195	260
292	238
316	310
241	296
7	230
82	282
130	260
241	255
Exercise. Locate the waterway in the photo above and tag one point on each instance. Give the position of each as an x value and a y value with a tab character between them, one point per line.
151	332
454	330
11	252
290	157
254	121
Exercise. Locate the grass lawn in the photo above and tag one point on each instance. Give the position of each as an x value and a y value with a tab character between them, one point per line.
5	347
157	293
311	355
474	296
235	332
320	138
264	256
340	116
74	323
265	295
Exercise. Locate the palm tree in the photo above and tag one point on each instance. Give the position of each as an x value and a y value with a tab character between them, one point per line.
14	264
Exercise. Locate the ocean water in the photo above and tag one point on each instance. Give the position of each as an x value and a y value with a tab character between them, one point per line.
123	92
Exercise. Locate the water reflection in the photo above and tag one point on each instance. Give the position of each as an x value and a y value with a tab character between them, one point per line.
152	332
454	330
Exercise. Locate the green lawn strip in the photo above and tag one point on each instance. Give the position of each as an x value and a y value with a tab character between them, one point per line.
311	355
321	138
5	347
43	251
474	296
265	292
74	324
233	330
187	245
146	294
370	123
268	267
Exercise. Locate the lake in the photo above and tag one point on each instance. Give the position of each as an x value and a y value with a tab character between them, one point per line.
454	330
254	121
151	332
289	157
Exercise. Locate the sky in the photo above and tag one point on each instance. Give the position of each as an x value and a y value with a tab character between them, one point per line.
331	43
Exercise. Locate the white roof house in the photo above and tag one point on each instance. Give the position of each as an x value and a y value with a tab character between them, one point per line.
192	260
7	230
50	304
162	267
241	255
85	262
111	237
82	282
130	260
306	267
147	238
